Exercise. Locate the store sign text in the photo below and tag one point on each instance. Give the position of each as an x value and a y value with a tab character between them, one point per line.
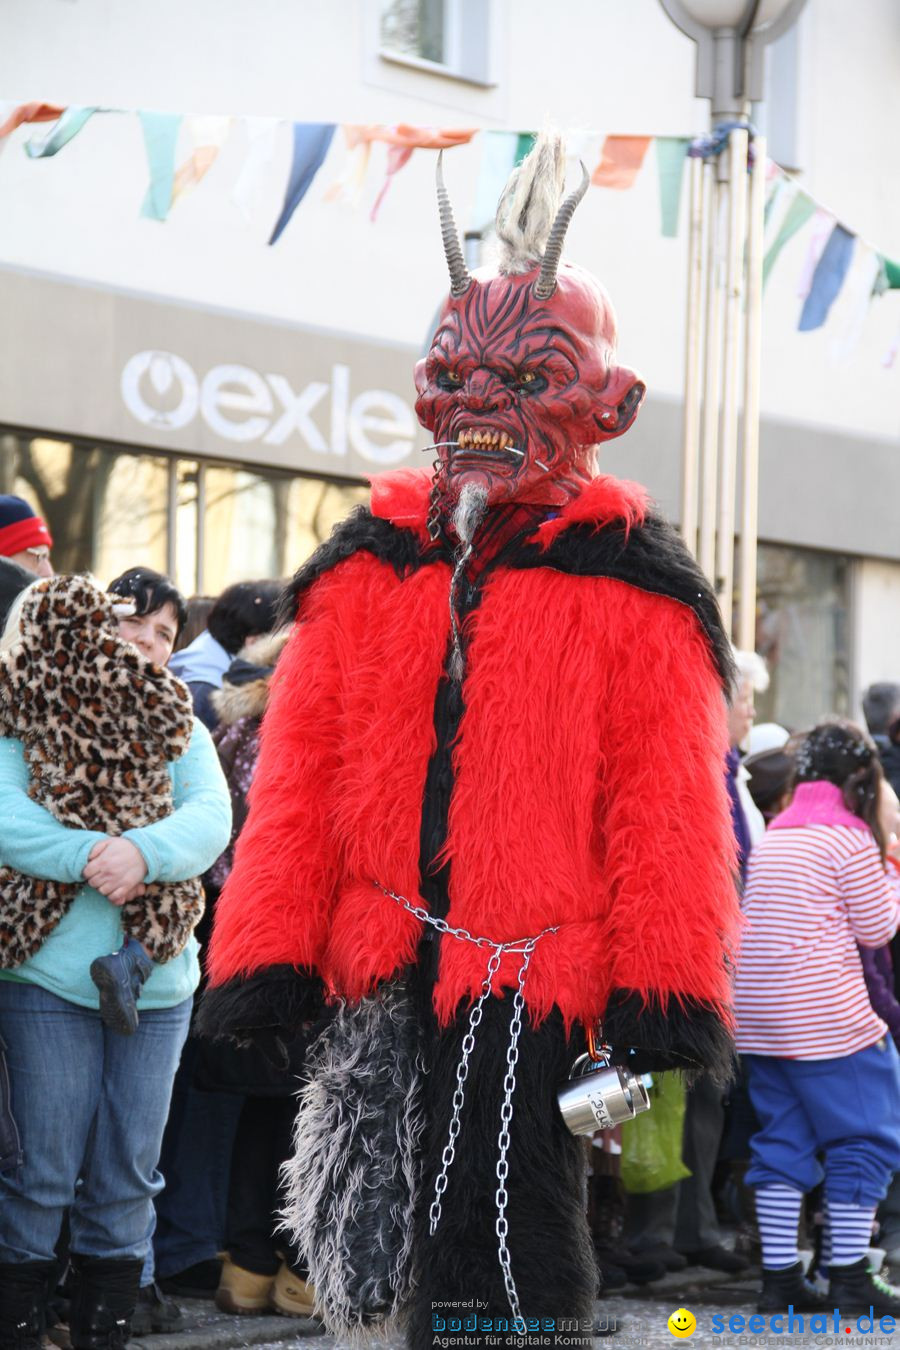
236	402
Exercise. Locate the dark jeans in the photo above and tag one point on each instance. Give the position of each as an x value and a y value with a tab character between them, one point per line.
195	1162
684	1216
262	1143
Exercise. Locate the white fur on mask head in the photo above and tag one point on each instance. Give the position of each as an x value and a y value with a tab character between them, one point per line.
528	205
470	511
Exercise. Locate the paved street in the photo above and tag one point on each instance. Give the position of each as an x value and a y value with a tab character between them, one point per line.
639	1318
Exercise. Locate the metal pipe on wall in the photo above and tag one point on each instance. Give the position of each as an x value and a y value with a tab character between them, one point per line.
746	627
693	353
736	188
714	196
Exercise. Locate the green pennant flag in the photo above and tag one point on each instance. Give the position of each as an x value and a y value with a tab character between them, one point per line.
891	275
796	216
47	143
160	138
670	156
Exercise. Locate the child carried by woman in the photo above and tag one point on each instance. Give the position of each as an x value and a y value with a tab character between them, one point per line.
99	723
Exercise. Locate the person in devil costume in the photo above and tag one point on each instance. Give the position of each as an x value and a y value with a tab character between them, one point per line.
492	768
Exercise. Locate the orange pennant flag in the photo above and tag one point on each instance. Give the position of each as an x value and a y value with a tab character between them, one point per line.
414	138
30	112
621	161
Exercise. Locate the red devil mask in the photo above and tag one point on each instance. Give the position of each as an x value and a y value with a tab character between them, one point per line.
520	384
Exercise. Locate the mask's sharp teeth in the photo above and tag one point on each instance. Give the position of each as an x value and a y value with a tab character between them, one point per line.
495	438
478	438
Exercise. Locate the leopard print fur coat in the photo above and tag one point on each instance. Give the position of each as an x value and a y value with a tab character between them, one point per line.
99	723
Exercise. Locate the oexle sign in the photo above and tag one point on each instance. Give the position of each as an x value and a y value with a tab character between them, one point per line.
137	370
240	404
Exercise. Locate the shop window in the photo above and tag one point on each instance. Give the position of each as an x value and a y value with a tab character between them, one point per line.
802	631
206	525
448	37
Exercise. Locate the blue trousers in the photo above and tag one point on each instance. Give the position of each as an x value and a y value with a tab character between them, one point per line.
91	1107
196	1162
847	1109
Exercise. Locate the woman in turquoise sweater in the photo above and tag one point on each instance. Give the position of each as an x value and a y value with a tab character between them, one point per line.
90	1105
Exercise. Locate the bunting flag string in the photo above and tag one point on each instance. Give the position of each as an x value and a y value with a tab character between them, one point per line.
836	261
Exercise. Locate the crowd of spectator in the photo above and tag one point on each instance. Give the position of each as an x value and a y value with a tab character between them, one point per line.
172	1147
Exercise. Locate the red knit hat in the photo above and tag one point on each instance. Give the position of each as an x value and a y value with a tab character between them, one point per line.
20	528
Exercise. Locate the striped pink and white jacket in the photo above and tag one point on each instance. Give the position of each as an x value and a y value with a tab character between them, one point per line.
816	887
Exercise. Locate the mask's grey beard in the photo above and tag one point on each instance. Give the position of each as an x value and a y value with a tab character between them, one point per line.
470	511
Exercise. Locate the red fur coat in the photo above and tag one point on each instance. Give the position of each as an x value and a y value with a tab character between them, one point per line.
586	769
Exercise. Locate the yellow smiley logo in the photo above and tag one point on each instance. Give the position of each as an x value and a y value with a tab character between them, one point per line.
682	1323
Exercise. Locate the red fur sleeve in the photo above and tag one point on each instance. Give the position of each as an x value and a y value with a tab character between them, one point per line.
275	907
665	832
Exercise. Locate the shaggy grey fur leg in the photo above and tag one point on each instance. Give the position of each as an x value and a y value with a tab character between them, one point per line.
351	1185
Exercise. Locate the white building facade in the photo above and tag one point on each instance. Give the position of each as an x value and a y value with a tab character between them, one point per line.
184	395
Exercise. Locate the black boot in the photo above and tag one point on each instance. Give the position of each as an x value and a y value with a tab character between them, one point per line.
103	1302
24	1288
855	1288
786	1288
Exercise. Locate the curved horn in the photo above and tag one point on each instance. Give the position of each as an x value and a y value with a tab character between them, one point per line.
460	280
546	282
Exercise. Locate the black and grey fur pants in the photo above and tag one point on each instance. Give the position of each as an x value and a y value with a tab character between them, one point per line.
458	1270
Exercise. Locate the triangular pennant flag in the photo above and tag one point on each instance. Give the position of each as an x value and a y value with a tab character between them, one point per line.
819	234
397	157
827	279
42	146
671	152
796	216
858	291
29	112
620	161
311	142
350	182
262	133
498	158
889	275
206	136
775	188
160	138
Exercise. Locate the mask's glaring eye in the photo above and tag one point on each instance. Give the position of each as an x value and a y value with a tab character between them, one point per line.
449	379
531	382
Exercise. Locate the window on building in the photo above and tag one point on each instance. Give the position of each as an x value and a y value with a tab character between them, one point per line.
802	631
448	37
205	524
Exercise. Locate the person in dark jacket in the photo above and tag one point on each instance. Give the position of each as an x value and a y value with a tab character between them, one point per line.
881	709
878	970
13	580
254	1276
242	612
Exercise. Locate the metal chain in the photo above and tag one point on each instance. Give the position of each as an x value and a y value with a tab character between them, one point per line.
506	1111
462	1073
523	947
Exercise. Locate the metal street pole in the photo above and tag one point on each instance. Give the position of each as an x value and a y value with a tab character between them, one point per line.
723	324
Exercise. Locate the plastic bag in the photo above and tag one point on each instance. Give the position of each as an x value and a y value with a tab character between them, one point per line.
651	1143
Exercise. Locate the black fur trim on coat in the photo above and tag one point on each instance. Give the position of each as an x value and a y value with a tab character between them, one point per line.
652	557
280	998
686	1034
361	530
551	1254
